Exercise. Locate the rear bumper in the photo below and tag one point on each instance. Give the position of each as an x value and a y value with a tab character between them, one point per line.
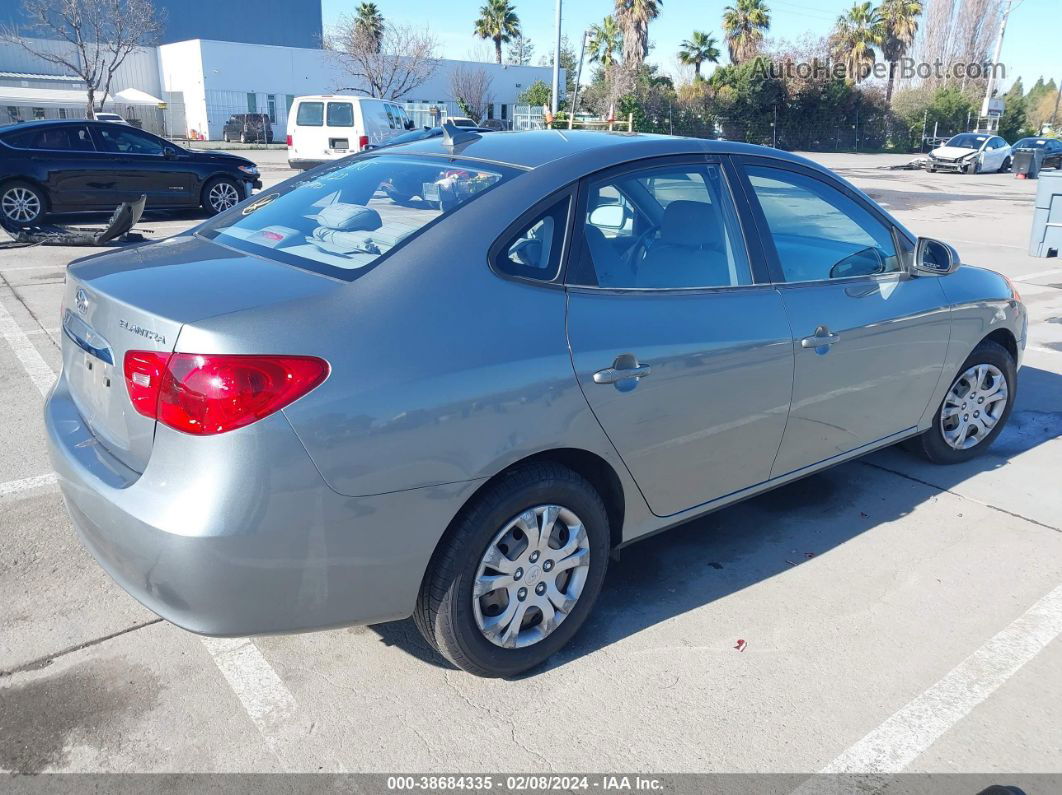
240	535
294	162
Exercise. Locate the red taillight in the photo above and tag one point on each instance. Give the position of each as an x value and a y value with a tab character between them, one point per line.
143	378
289	140
205	394
363	141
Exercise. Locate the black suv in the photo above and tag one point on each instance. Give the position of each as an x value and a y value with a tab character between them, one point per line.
248	128
72	166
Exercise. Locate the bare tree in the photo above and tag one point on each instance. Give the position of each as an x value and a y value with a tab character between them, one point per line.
95	38
403	58
471	87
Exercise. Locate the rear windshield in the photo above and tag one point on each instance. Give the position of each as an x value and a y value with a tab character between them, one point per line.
343	219
311	114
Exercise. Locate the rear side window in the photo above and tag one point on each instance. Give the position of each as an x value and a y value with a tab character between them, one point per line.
346	218
311	114
340	114
534	252
69	139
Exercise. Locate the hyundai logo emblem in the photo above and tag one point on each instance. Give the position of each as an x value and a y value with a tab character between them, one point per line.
81	301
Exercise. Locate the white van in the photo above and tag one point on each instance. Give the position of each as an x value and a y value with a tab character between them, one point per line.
327	127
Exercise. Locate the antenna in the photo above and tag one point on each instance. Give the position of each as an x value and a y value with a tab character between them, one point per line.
454	135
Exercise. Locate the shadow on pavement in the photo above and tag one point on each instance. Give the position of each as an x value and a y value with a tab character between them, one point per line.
724	552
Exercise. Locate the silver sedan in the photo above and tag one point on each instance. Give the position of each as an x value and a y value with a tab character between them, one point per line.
447	379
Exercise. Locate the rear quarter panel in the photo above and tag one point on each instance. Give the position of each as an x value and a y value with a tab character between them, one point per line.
442	371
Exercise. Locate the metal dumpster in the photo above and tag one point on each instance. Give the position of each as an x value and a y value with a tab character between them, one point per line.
1045	239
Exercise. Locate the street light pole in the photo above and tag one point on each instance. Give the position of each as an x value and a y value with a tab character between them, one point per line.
578	77
556	63
995	61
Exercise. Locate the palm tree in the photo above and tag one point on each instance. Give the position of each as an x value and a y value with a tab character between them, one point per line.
697	49
855	35
498	21
899	21
370	22
634	17
744	25
606	41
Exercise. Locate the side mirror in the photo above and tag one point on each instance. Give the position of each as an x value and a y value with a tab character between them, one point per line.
410	124
935	258
169	152
608	216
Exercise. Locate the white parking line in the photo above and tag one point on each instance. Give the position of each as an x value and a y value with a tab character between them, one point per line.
35	482
264	697
914	728
1024	277
32	362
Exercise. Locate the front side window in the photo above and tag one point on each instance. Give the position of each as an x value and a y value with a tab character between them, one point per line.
127	140
534	252
311	114
818	231
345	219
340	114
661	228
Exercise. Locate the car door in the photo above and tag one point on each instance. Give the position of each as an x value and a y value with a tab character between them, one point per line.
75	174
679	343
141	167
869	337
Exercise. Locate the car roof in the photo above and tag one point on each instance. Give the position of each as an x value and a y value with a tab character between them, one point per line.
534	148
39	123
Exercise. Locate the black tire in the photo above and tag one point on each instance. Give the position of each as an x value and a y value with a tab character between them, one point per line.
445	613
1003	169
244	139
13	197
225	138
932	169
931	443
206	198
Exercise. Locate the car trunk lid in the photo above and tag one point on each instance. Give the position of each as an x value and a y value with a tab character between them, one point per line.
140	299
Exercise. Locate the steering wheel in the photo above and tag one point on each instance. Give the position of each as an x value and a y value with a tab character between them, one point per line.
630	259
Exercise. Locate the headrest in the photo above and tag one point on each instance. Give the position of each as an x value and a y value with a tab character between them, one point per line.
691	224
345	217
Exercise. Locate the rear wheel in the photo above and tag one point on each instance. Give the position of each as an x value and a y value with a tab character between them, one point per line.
219	194
225	137
519	573
22	204
974	410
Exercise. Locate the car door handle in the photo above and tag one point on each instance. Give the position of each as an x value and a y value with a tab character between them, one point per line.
610	375
822	336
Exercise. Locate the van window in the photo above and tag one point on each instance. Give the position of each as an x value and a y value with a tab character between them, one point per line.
311	114
340	114
347	218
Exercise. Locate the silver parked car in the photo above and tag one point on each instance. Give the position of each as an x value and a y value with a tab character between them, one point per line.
447	379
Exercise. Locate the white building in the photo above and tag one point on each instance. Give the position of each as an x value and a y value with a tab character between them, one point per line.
202	83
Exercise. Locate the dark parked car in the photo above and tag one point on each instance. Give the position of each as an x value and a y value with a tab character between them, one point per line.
1051	148
248	128
61	166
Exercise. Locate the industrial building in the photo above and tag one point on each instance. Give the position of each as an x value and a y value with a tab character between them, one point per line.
190	87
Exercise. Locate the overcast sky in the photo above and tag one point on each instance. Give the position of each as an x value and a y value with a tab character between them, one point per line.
1032	46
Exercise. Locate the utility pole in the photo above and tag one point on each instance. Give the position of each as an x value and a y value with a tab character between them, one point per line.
995	60
556	63
578	77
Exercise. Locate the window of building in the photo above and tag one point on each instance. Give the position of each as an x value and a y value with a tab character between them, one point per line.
271	105
38	113
252	102
62	113
13	113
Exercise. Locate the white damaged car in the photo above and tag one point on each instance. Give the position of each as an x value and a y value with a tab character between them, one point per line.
971	153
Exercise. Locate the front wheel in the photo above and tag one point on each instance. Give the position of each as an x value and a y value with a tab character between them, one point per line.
1006	166
219	194
519	572
974	410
